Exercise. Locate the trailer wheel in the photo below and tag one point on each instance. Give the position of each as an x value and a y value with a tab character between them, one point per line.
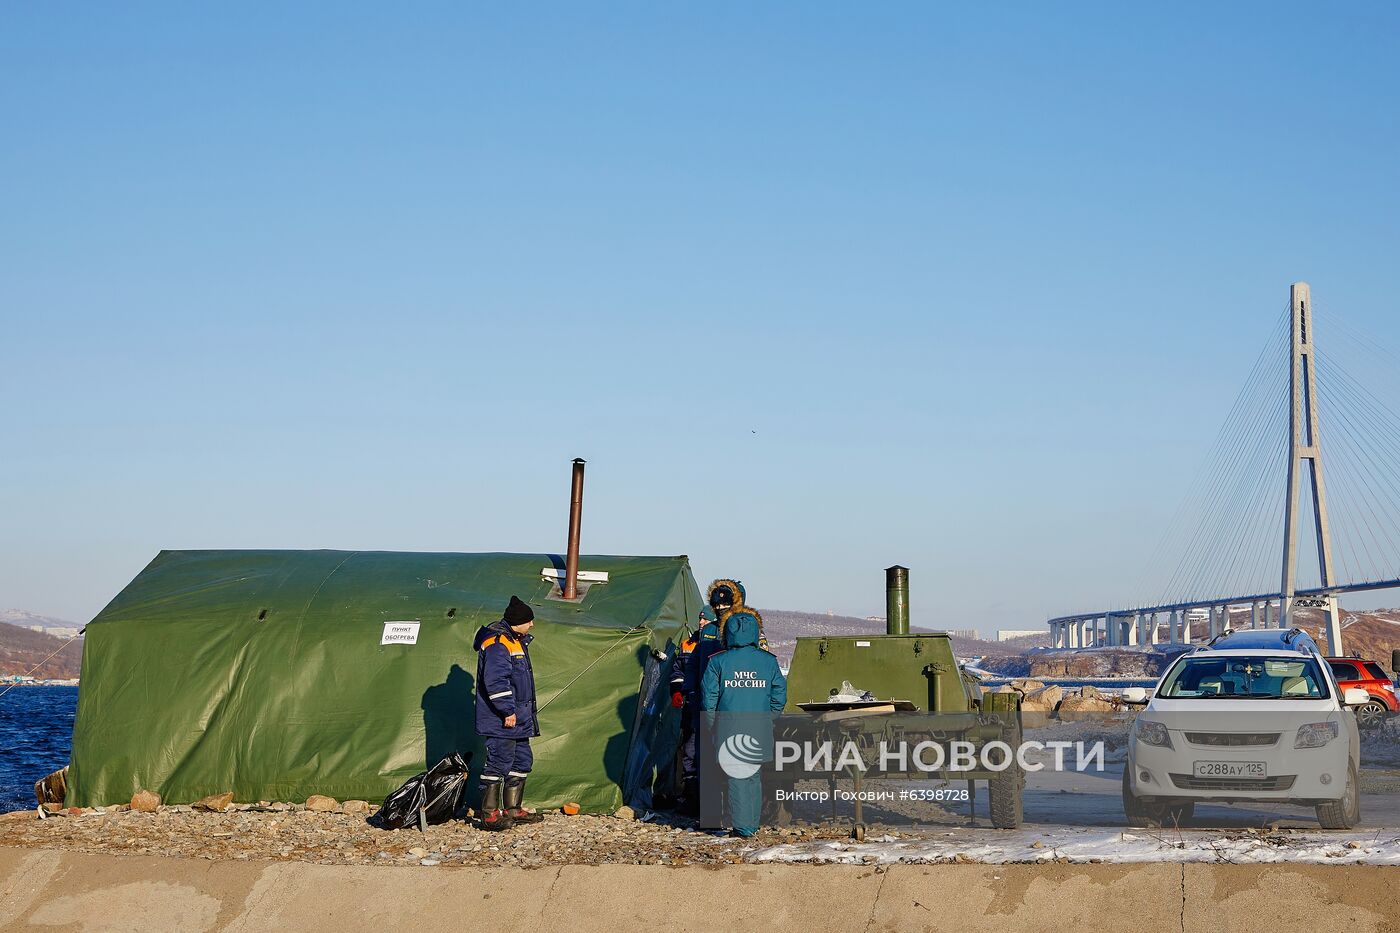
858	832
1004	792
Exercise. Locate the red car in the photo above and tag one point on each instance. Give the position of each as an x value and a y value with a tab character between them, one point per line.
1368	675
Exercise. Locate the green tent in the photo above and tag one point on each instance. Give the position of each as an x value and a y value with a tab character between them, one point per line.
264	673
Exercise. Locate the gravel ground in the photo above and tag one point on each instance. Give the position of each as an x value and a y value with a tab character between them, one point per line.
334	838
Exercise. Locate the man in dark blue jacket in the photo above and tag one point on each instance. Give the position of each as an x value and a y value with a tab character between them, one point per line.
685	696
505	715
743	691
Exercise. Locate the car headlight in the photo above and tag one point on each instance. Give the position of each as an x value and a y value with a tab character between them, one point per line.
1315	734
1153	733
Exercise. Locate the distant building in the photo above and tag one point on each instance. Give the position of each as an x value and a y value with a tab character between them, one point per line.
57	631
964	633
1006	634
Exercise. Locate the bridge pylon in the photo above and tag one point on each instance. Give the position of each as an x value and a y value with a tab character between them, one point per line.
1305	463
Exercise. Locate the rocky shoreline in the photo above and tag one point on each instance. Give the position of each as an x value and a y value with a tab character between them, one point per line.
1143	663
292	832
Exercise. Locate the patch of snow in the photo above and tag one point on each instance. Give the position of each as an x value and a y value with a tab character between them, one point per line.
1370	847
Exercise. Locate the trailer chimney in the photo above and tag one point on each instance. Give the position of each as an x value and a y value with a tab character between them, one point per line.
570	590
896	600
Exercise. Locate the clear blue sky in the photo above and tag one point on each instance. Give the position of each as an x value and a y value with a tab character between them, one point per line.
815	288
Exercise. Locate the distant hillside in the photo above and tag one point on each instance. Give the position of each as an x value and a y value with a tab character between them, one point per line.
783	627
1372	635
26	619
1026	642
22	648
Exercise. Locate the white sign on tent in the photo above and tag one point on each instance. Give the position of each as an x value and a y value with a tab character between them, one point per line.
400	633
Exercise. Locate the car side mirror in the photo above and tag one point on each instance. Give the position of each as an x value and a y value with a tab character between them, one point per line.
1135	695
1355	696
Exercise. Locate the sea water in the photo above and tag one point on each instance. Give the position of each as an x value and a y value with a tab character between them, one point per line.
36	736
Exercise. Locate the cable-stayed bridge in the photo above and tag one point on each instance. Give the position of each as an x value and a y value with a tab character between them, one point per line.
1298	502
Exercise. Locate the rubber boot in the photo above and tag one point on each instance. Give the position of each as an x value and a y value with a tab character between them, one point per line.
515	794
690	799
493	817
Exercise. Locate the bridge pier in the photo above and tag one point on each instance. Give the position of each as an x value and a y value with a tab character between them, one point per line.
1333	619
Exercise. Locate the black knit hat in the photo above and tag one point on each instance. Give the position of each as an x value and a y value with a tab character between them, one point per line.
517	613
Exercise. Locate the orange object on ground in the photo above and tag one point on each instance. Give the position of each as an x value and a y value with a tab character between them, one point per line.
571	809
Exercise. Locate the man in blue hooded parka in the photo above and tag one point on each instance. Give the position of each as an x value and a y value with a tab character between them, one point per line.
743	691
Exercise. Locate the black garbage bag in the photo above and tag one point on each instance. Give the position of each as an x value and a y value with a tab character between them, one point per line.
425	799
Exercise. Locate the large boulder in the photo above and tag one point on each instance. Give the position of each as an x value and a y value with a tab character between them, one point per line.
1083	706
1043	699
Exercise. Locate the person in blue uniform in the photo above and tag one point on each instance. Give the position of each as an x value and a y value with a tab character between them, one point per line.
743	690
505	715
685	696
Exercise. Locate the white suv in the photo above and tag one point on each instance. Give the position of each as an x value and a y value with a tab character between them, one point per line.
1256	715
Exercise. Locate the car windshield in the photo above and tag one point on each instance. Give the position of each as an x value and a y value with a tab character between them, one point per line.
1244	678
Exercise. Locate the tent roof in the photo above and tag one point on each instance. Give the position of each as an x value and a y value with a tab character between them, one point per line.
329	587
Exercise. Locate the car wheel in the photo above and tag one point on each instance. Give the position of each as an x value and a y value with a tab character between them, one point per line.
1344	813
1371	715
1143	815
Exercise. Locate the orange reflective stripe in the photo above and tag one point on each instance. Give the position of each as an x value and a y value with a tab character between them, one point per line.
510	644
